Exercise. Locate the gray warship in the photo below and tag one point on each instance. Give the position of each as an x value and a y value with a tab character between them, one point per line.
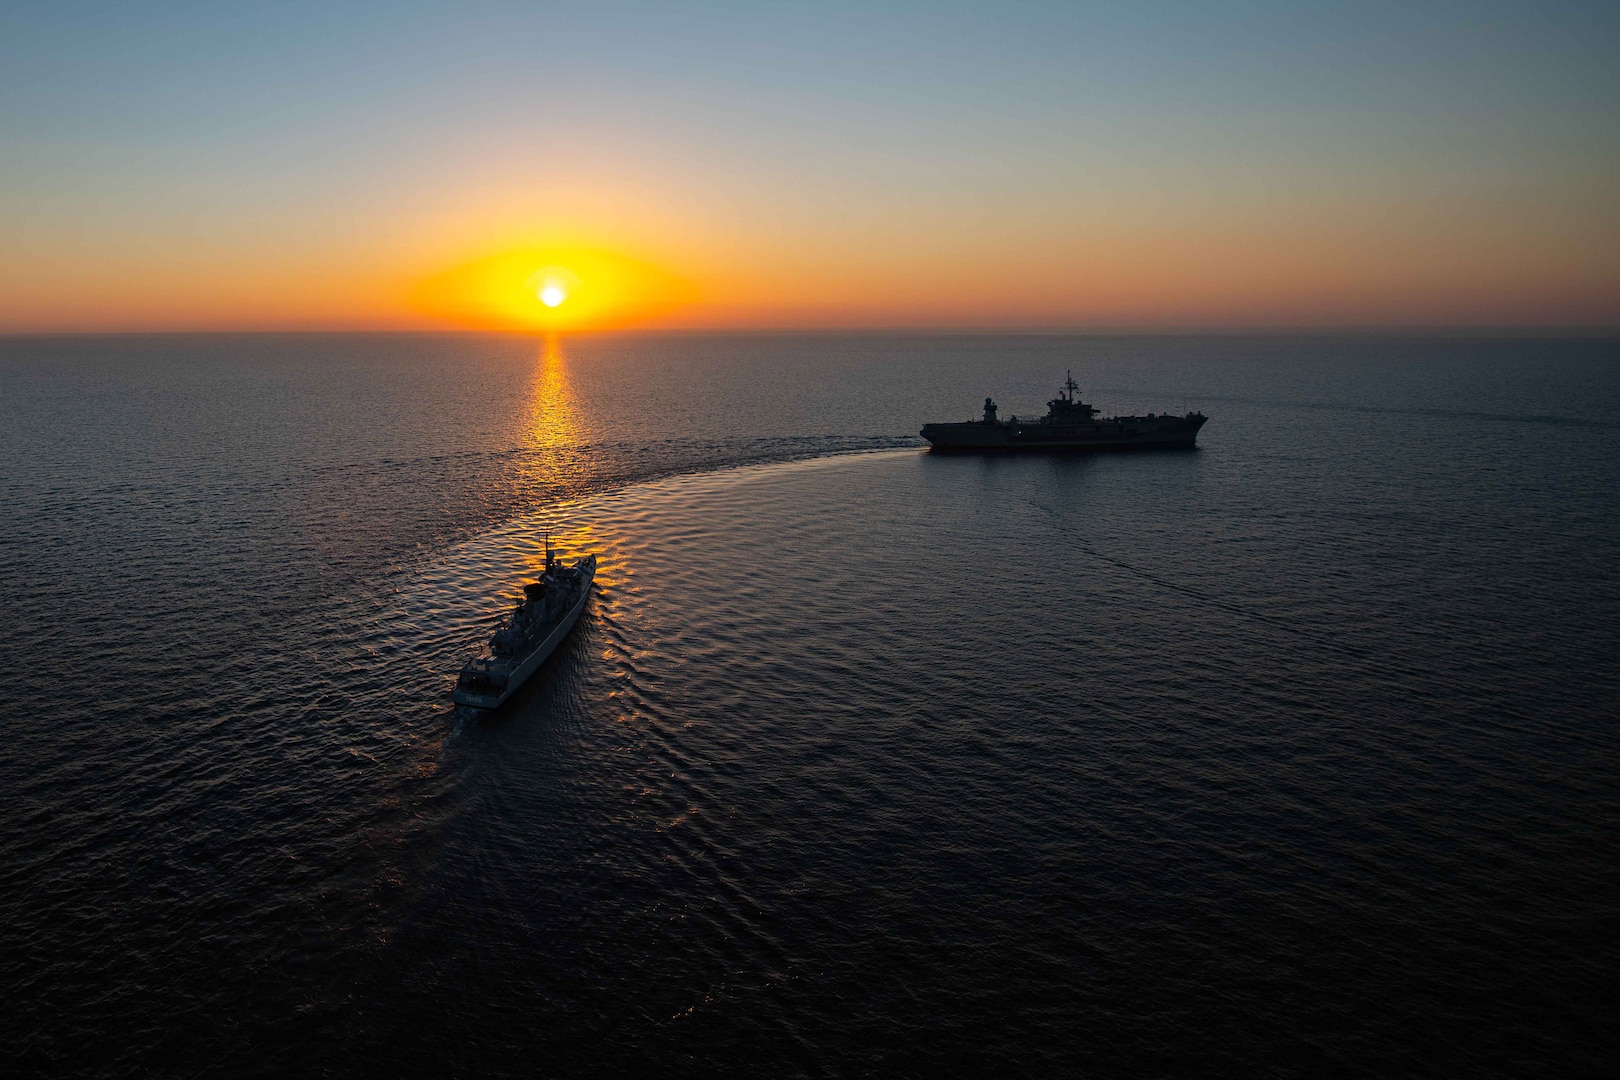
542	619
1069	425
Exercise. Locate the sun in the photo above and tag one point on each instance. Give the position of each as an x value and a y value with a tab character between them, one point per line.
553	286
550	289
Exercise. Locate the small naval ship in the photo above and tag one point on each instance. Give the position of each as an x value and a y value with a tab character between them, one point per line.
542	619
1069	424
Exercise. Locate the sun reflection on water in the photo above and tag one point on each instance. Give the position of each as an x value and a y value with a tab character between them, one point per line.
552	459
554	463
553	426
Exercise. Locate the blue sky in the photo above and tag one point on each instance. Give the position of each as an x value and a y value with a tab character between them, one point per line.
183	131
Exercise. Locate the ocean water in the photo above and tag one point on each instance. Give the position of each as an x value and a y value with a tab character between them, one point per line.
1294	754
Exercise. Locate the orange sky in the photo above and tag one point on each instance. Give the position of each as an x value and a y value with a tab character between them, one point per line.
1169	272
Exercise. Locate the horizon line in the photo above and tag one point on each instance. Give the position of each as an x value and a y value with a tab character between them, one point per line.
1217	330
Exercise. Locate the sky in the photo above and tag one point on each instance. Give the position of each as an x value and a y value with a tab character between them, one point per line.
834	165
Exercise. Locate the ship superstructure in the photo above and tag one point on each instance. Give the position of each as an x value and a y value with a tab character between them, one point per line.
537	625
1069	424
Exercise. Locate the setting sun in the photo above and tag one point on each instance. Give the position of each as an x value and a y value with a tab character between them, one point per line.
567	287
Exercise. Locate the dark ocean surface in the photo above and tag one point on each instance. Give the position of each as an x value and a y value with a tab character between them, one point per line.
1296	754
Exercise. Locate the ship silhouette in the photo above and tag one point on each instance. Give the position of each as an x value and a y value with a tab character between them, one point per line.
1069	424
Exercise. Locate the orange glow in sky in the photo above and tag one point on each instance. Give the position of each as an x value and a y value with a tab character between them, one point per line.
550	289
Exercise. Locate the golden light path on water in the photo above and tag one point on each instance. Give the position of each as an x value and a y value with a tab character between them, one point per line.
552	423
551	454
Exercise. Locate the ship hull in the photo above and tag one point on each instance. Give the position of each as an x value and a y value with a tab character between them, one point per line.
979	437
531	662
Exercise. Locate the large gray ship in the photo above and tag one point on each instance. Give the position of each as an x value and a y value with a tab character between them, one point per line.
542	619
1069	425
